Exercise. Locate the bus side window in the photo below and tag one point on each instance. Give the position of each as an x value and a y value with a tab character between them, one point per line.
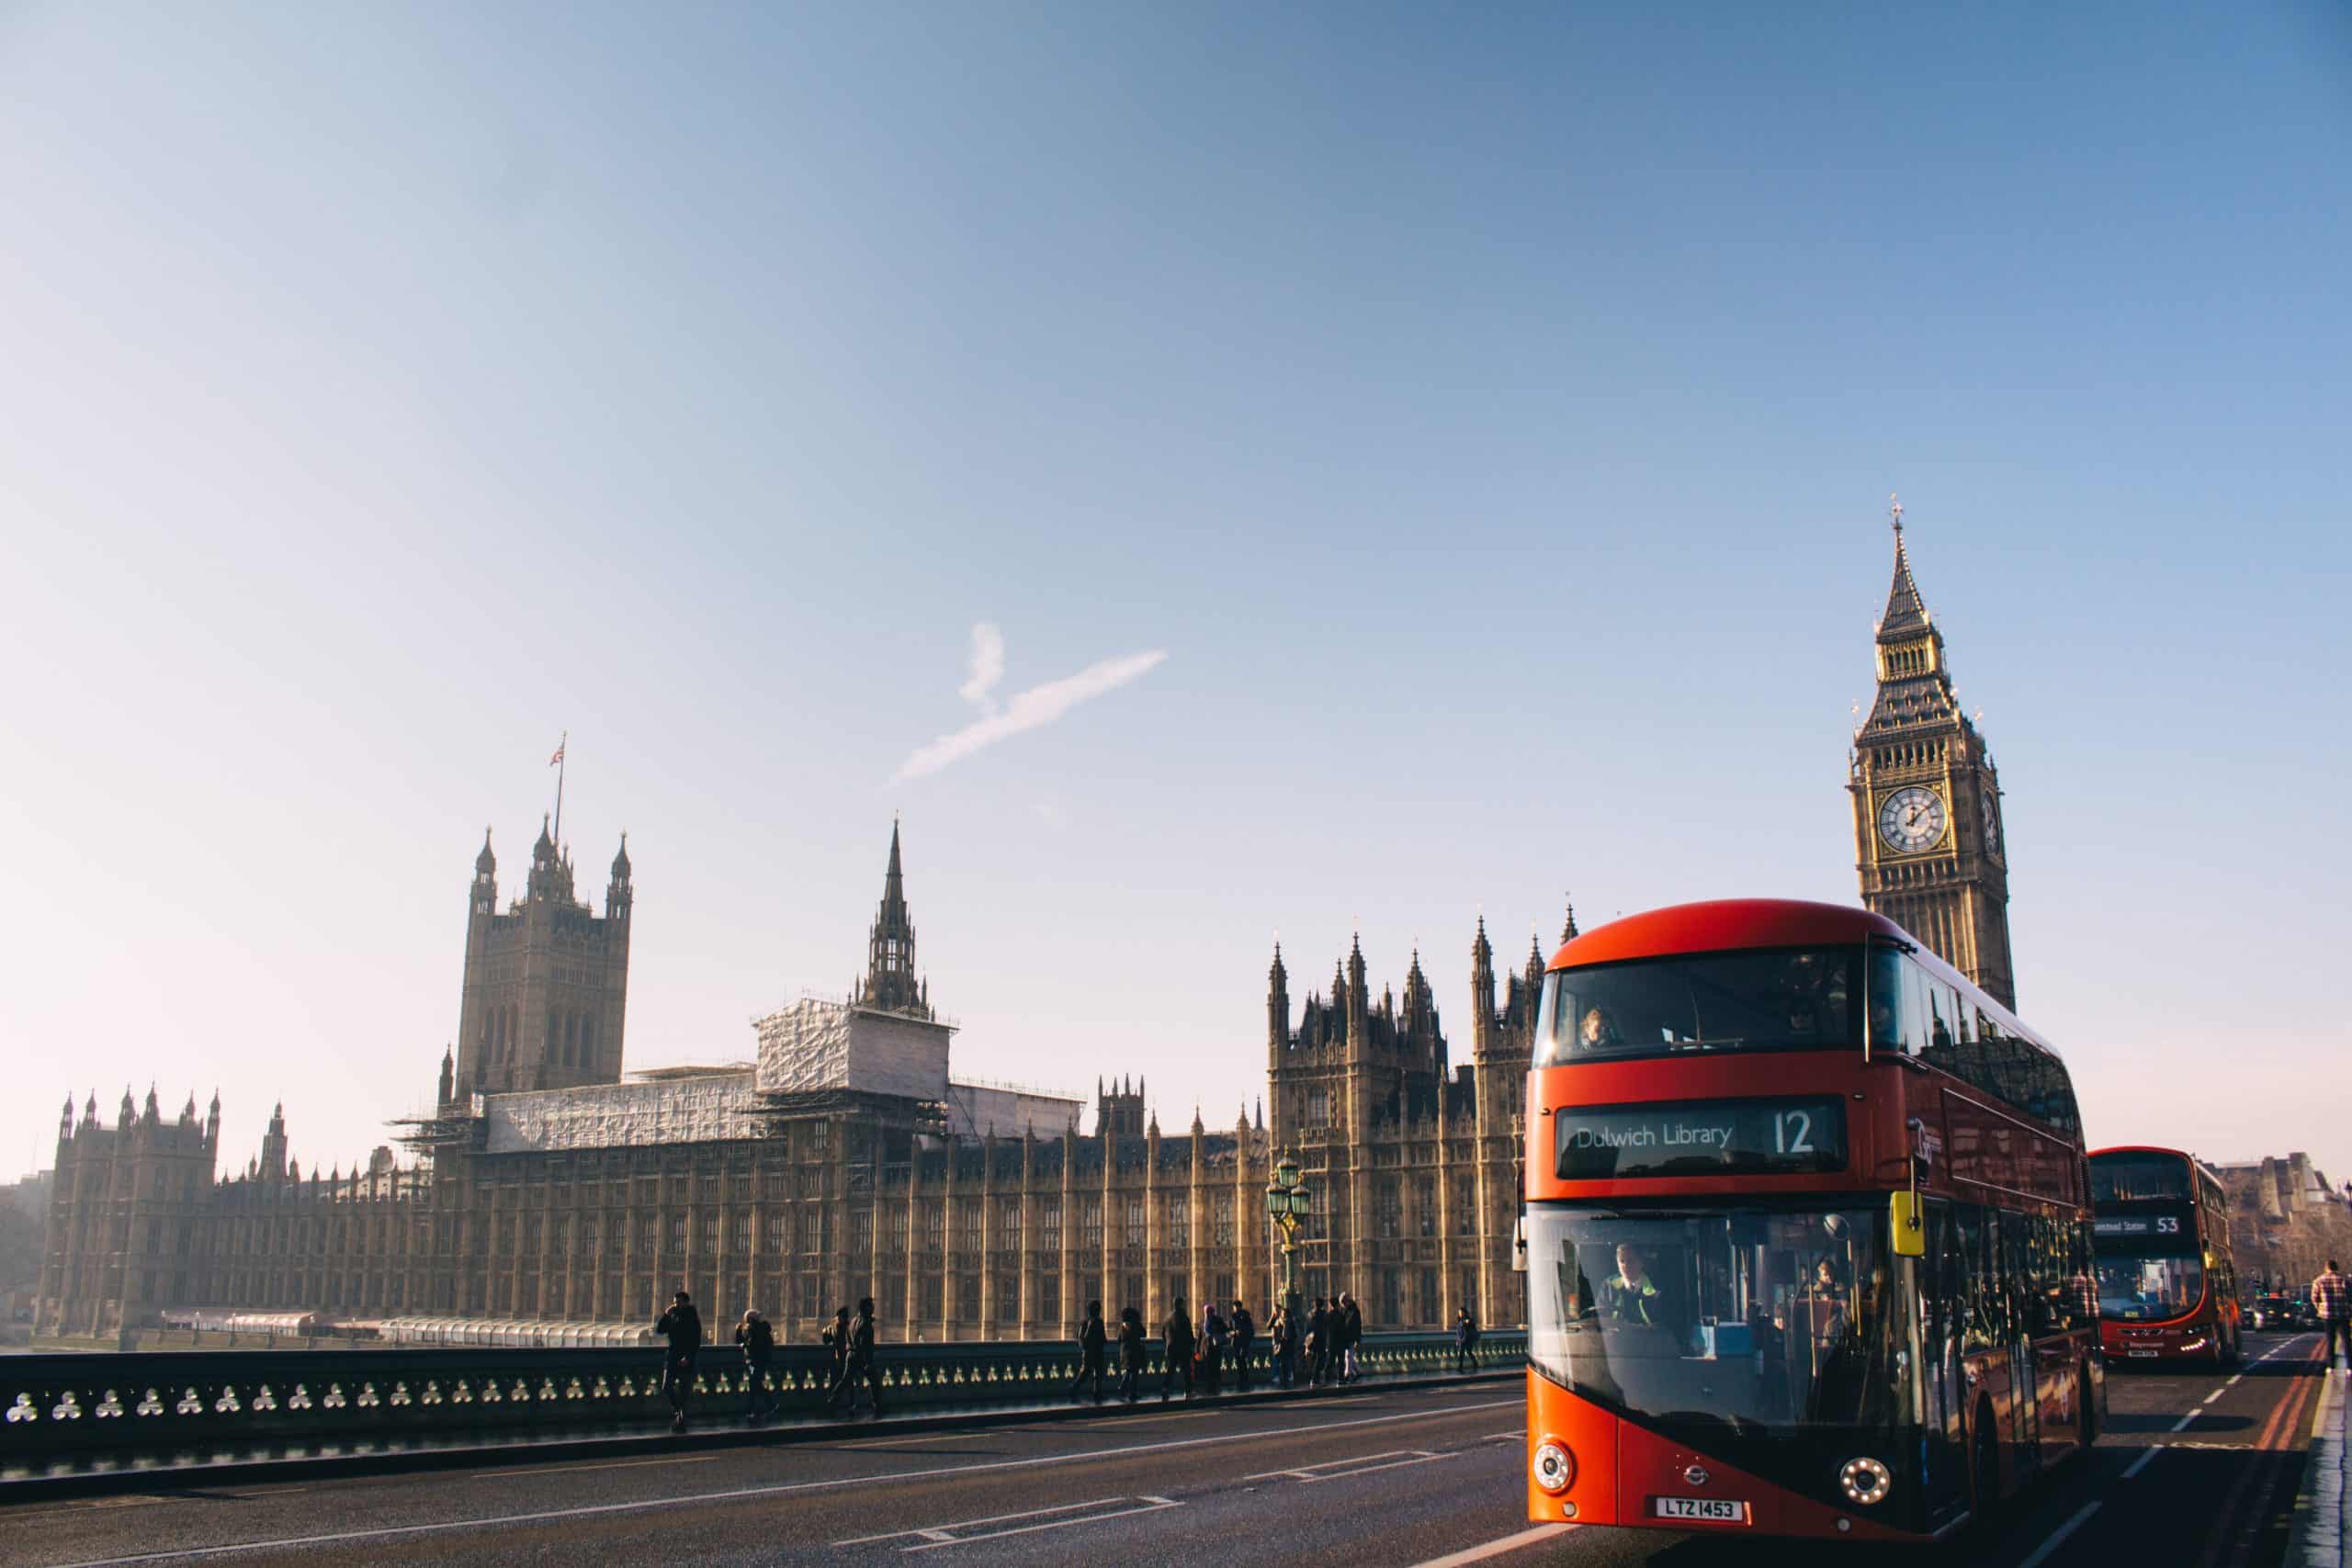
1943	1010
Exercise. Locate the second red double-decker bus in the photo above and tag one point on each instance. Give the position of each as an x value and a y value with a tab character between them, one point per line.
1808	1237
2167	1285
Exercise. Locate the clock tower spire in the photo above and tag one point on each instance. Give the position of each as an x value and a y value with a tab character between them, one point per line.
1927	830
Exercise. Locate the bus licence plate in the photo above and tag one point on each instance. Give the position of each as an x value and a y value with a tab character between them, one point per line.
1724	1510
2137	1355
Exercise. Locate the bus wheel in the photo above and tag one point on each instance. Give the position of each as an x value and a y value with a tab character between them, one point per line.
1985	1470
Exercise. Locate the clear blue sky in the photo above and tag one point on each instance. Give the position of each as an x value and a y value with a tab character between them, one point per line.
1488	412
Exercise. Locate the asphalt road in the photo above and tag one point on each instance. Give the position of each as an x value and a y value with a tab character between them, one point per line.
2196	1469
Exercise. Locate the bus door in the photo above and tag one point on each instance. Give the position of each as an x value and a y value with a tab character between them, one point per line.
1998	1362
2025	1380
1944	1437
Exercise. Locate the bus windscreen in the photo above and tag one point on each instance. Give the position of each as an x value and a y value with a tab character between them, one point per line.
1759	999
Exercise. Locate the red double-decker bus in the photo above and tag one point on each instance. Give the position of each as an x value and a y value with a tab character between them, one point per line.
2168	1284
1808	1233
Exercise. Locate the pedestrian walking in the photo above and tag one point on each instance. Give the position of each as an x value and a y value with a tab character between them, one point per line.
1132	1340
1465	1341
1351	1335
859	1366
1245	1338
756	1339
836	1342
1176	1347
682	1328
1282	1337
2332	1299
1091	1345
1216	1343
1319	1343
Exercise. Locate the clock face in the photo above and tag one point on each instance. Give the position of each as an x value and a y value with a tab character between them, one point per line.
1911	819
1992	823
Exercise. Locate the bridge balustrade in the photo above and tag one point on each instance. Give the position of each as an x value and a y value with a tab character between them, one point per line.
179	1406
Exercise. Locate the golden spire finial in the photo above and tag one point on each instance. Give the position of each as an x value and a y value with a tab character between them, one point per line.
1894	510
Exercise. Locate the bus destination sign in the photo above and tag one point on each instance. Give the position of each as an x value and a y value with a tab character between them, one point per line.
2172	1223
1782	1137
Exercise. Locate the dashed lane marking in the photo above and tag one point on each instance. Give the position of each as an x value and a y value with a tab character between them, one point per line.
1497	1546
928	1537
1357	1464
2057	1537
604	1464
777	1489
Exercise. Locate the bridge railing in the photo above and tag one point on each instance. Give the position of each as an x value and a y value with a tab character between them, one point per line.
152	1405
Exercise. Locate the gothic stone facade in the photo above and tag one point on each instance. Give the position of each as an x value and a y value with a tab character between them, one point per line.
798	1200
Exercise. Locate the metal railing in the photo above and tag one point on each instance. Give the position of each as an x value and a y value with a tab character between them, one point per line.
165	1408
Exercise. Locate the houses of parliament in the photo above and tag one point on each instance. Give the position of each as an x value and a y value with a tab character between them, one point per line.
549	1187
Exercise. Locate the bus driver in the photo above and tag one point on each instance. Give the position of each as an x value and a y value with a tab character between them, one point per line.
1631	1296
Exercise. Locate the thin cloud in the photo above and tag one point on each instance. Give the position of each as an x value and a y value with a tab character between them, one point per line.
987	667
1031	709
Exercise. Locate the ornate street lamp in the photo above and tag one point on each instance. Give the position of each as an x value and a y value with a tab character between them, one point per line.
1286	1204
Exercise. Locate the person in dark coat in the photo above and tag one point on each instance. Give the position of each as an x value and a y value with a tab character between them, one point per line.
1177	1344
1465	1341
836	1340
681	1326
756	1339
860	1365
1216	1343
1091	1342
1132	1343
1245	1338
1319	1343
1282	1337
1351	1335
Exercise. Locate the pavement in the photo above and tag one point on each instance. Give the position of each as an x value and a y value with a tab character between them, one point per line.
2323	1530
2196	1469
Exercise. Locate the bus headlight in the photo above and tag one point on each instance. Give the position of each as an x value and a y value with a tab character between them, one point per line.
1866	1481
1553	1466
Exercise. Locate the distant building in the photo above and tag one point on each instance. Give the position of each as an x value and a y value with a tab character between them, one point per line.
2286	1221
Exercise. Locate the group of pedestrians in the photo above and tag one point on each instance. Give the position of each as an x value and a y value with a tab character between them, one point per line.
1194	1358
849	1343
1317	1346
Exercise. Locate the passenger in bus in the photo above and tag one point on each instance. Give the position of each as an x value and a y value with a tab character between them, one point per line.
1631	1297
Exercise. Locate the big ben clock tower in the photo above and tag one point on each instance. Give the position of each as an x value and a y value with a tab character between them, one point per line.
1927	832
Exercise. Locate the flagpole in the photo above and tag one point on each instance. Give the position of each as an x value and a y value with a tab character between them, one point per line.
562	747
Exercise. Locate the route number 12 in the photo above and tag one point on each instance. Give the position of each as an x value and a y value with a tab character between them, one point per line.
1792	1132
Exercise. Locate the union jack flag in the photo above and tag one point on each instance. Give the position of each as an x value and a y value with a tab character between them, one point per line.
556	758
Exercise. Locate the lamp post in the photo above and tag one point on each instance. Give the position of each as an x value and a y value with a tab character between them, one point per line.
1287	1200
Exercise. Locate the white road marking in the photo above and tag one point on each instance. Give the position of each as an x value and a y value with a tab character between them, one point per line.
2058	1536
1358	1464
877	1442
1514	1433
605	1464
774	1489
1146	1505
940	1532
1497	1547
2137	1465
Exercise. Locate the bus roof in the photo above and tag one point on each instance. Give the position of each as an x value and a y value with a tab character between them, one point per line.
2158	1149
1721	925
1724	923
